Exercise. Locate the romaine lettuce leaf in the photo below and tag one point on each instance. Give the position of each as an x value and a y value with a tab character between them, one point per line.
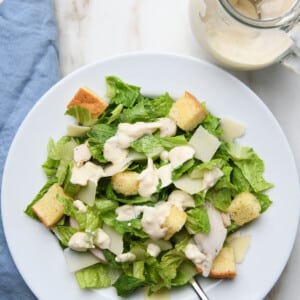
82	115
239	181
100	133
70	188
120	92
148	109
211	124
60	152
89	220
198	170
173	141
170	262
93	277
179	171
264	201
220	198
97	137
115	113
126	285
197	221
159	106
105	205
138	269
185	273
148	144
133	226
250	165
65	233
136	113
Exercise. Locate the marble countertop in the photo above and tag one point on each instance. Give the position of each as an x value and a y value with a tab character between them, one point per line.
90	30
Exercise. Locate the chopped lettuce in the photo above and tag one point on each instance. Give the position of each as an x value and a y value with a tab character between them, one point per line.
147	109
250	165
199	169
197	221
82	115
121	93
60	155
149	145
170	142
126	285
184	168
93	277
212	124
97	137
65	233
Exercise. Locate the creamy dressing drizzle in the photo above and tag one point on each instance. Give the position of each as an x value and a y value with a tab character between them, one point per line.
116	148
154	217
89	171
128	212
81	154
148	180
151	176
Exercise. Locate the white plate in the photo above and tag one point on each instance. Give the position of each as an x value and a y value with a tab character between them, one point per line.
36	252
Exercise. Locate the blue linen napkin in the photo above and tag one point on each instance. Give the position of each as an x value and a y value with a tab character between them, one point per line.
28	68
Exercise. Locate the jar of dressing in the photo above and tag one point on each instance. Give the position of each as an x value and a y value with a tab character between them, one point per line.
248	34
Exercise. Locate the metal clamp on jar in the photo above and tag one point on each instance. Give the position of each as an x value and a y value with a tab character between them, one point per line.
248	34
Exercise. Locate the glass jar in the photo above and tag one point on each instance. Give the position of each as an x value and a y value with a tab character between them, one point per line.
239	35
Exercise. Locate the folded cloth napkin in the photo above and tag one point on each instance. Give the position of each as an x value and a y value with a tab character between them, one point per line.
28	68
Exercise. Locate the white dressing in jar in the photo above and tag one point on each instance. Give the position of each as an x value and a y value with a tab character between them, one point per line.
235	44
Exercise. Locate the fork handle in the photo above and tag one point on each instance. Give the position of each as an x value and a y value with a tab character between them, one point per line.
198	289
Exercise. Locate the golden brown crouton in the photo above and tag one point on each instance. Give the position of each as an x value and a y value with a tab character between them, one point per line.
244	208
174	221
223	265
187	112
125	183
48	209
87	99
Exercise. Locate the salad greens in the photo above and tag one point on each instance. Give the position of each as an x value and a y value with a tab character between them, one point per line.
241	167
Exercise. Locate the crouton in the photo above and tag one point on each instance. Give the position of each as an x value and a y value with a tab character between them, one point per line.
187	112
87	99
174	221
223	265
244	208
125	183
48	209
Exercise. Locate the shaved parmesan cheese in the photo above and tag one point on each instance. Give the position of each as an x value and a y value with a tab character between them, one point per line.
116	240
79	260
240	245
76	130
195	185
87	194
122	165
189	185
231	129
204	143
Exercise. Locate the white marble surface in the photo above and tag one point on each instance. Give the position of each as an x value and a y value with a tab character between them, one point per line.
90	30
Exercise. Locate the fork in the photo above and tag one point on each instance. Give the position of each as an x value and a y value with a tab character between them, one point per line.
198	289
